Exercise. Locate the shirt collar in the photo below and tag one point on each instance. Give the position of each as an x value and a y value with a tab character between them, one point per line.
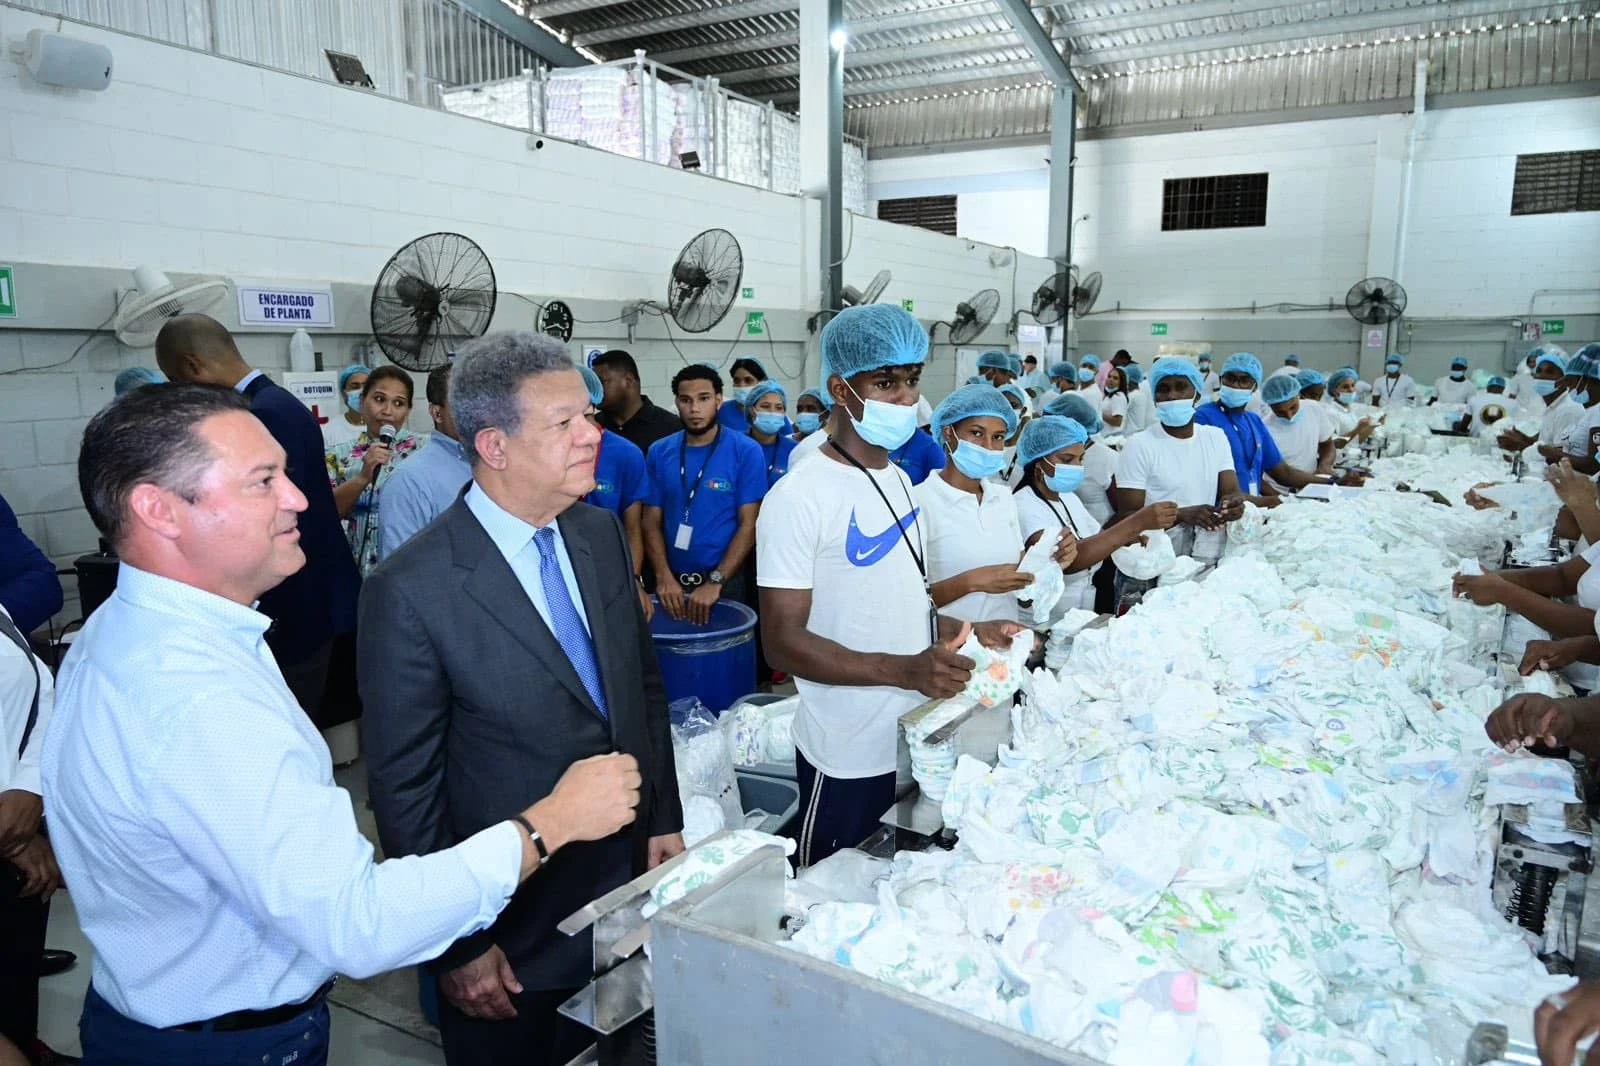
509	533
154	592
452	447
244	382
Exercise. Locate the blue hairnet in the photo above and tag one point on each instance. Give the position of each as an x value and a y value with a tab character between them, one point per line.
1174	367
1344	373
977	379
1090	360
1244	362
763	389
994	359
1544	348
1394	357
1016	363
1074	406
974	401
817	394
1589	351
1583	365
1013	389
135	376
1459	363
1280	387
870	337
591	380
1553	359
1134	375
1291	360
351	371
1044	436
1062	370
1496	381
1310	379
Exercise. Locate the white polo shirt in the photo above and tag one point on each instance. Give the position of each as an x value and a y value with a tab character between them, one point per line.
1298	442
1099	467
965	533
1038	514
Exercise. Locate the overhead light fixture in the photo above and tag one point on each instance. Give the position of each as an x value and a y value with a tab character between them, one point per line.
838	39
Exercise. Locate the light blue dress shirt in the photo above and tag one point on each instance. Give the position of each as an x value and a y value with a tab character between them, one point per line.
244	382
214	864
514	538
419	490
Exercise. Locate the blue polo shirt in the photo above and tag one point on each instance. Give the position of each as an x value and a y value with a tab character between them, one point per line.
731	471
733	416
1254	450
775	457
620	480
918	457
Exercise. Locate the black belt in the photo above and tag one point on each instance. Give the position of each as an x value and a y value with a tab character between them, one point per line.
242	1020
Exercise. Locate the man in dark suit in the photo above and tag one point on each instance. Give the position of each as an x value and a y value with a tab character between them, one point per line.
497	647
317	604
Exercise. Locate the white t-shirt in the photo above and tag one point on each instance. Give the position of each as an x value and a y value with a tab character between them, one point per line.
18	674
1213	383
1299	442
1576	442
1559	417
1396	393
1521	387
823	527
964	534
1141	412
1099	467
1113	406
808	447
1171	468
337	431
1036	514
1454	391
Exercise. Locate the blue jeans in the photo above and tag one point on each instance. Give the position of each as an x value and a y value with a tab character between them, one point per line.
109	1039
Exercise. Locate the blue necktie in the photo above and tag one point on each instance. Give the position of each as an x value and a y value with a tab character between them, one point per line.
569	631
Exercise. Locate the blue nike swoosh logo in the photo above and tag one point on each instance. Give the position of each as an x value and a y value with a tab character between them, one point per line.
863	550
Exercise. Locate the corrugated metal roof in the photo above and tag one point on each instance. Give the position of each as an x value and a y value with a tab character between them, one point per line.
941	71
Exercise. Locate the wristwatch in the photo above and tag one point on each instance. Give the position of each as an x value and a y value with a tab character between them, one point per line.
715	577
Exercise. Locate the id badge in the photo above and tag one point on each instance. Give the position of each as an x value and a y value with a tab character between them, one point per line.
685	533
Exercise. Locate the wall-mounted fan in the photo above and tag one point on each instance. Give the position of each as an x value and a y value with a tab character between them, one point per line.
705	280
850	296
154	299
433	295
1375	301
1085	293
1051	300
556	320
973	316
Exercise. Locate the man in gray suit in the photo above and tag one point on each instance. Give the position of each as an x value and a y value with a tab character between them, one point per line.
502	643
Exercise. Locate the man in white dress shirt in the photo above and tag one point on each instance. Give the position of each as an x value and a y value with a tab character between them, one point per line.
216	868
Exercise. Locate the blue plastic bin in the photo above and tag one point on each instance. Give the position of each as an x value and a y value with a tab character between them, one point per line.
714	663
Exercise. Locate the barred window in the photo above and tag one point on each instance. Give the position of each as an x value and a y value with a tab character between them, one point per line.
1552	182
1224	201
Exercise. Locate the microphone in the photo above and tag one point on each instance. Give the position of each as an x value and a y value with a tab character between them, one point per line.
386	435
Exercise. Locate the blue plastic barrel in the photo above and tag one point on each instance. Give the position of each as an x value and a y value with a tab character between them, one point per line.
714	663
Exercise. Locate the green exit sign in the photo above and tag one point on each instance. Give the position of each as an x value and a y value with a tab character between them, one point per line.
1158	329
908	305
1554	326
747	293
755	323
8	293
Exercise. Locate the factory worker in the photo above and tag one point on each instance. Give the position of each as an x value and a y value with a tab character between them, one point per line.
1454	387
809	414
1088	368
1032	376
974	535
1560	409
1255	452
1051	450
994	366
1063	378
1099	460
1011	472
1210	382
1141	407
844	600
1113	400
1343	394
1290	367
348	424
1180	460
1394	387
620	482
1542	594
1016	367
1521	387
765	405
745	374
1581	440
1303	436
1313	391
1490	406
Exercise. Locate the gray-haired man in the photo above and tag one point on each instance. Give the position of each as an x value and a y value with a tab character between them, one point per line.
503	643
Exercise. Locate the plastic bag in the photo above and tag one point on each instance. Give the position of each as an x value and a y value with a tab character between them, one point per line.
1148	561
1039	599
743	726
705	769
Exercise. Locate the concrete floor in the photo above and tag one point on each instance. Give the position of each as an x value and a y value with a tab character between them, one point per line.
359	1039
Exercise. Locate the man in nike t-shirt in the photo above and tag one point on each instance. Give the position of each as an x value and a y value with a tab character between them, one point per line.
844	599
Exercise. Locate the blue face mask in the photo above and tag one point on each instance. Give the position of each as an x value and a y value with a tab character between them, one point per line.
771	422
1205	368
977	462
884	425
1346	398
1292	419
1175	413
1582	397
1065	479
1541	387
1458	375
1392	369
1085	376
352	400
1232	398
739	396
808	421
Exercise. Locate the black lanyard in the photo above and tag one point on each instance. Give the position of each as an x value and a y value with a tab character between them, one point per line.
683	470
916	556
1063	516
9	629
1390	386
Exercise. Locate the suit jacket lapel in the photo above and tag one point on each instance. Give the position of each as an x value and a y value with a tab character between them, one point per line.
495	586
583	568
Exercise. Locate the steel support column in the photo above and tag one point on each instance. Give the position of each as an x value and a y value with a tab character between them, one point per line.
833	202
1063	144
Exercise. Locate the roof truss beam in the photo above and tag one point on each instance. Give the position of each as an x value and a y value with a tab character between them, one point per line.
983	43
931	19
1037	39
912	82
710	16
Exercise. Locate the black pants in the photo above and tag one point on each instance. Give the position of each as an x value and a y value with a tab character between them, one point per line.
307	679
537	1036
22	926
837	812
